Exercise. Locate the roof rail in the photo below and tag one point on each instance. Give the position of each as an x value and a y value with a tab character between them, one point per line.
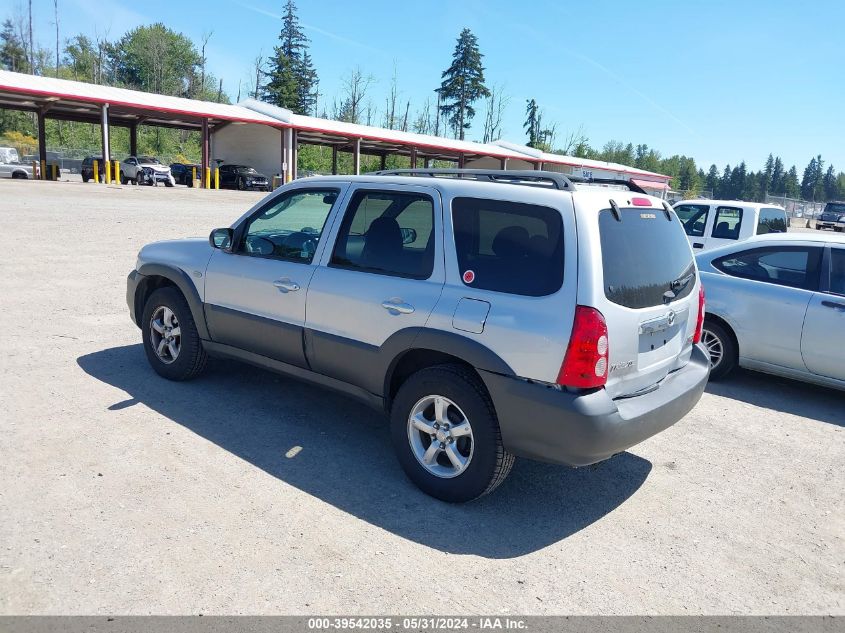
528	177
632	186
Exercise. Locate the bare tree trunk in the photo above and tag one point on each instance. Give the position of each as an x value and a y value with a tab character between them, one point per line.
220	91
205	38
31	46
56	10
405	120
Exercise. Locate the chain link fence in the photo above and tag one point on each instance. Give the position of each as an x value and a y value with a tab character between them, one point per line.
797	208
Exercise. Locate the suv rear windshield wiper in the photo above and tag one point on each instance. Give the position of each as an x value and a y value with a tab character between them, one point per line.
677	286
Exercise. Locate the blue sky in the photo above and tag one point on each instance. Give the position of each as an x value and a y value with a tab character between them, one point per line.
722	81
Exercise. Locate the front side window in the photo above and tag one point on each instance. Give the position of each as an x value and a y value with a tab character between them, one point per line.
728	222
793	266
290	227
387	233
693	218
771	221
508	246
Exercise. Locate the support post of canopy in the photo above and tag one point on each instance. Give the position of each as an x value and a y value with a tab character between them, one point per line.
356	156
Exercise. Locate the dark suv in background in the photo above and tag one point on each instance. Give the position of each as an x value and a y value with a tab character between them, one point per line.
183	173
87	168
833	217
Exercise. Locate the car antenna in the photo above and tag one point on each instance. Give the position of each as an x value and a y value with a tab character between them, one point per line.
615	208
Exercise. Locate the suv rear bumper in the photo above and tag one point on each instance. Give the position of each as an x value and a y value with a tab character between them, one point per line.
543	423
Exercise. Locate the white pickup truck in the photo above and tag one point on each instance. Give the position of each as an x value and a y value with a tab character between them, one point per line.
11	166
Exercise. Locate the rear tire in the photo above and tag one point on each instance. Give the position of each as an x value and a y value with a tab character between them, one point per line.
721	347
85	179
171	341
476	446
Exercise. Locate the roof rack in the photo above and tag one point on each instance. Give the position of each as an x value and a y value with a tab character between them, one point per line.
529	177
632	186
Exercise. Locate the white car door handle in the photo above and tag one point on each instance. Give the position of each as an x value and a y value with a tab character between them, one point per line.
286	285
397	306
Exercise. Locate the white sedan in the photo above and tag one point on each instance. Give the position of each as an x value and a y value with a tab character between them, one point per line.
776	304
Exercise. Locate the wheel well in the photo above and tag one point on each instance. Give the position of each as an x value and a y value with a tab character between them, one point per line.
415	360
725	326
147	287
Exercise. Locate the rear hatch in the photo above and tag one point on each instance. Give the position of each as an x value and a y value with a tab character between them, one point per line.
647	289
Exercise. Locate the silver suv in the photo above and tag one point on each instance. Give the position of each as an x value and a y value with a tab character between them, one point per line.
490	313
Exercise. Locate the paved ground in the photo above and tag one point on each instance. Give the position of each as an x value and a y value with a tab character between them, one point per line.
123	493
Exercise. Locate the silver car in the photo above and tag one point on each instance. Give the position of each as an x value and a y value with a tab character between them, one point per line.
776	304
490	314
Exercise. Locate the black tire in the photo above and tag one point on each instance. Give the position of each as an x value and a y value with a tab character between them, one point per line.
241	185
725	339
85	178
123	179
490	462
167	183
192	358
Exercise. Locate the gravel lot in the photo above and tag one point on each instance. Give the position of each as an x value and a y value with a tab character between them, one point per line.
124	493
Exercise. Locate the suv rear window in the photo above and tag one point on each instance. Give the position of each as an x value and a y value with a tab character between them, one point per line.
508	246
642	255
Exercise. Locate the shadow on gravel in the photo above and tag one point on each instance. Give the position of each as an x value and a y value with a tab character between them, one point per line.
346	458
782	394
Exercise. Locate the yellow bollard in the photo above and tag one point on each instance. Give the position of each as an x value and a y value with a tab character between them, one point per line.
96	171
217	178
117	172
108	172
36	173
194	182
55	172
208	177
43	170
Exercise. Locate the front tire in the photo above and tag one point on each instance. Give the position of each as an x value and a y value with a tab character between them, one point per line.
721	348
171	341
446	434
241	185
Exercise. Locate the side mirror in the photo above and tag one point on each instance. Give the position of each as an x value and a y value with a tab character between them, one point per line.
222	239
409	236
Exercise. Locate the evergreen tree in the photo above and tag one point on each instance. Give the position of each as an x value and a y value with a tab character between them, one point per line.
776	183
829	184
532	123
711	183
292	79
724	190
791	186
766	176
12	52
463	83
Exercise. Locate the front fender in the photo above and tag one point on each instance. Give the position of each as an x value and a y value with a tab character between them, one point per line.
180	279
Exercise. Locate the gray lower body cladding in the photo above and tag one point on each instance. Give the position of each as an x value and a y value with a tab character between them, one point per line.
543	423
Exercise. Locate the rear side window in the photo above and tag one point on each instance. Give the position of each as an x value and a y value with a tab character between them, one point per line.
693	218
728	222
794	266
771	221
387	233
646	258
508	246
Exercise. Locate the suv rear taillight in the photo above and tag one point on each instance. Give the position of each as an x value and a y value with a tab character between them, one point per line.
585	363
699	324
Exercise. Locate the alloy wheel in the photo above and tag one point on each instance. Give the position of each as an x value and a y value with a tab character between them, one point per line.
440	436
165	334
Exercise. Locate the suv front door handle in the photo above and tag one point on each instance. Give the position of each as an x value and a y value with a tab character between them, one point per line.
286	285
397	306
834	304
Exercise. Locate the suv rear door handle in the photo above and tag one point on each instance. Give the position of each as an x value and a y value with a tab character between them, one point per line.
697	245
834	304
286	285
397	306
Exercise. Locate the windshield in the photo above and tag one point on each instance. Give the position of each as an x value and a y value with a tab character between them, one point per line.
646	258
246	170
835	207
148	160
